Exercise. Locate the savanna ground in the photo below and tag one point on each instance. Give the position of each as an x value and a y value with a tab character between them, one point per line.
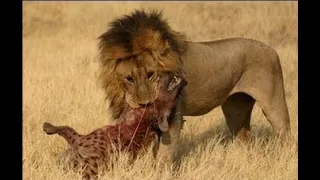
60	73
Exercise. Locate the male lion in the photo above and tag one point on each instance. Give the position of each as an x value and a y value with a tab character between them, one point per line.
233	73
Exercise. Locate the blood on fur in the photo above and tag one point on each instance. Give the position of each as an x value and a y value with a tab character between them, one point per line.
135	131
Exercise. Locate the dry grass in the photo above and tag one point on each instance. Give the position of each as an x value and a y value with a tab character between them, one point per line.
60	86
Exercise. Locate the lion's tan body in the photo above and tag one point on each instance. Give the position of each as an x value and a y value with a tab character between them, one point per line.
217	69
233	73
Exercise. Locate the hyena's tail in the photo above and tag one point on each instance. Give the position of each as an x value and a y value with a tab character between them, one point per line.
50	129
69	134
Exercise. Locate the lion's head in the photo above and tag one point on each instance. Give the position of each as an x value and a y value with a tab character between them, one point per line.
133	52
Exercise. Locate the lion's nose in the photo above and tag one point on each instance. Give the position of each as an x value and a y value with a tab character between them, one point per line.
146	104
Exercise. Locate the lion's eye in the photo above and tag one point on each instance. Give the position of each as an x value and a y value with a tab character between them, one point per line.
129	79
150	74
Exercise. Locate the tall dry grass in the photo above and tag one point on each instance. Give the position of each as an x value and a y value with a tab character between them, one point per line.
60	86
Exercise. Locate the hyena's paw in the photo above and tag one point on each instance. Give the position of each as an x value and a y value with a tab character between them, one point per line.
49	128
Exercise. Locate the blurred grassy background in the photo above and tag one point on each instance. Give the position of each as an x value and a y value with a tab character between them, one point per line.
60	86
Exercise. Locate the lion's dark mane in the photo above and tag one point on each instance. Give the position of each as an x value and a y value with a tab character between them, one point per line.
128	36
122	30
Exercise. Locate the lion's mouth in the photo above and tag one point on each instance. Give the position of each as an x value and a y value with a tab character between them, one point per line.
135	105
146	105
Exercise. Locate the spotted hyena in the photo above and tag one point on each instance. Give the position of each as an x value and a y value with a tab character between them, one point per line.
135	131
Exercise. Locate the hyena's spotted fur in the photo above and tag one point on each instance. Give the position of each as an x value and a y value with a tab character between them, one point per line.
136	130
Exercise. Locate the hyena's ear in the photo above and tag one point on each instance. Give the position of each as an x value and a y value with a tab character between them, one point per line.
174	83
177	81
163	122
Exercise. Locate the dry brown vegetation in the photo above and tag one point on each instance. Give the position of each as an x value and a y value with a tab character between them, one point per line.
60	86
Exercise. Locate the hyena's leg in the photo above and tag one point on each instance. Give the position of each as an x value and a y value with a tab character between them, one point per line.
66	132
49	128
90	169
168	145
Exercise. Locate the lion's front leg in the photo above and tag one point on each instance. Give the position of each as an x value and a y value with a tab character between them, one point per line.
167	148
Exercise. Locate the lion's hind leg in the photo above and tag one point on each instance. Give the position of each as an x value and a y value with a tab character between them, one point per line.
271	98
274	107
276	112
237	111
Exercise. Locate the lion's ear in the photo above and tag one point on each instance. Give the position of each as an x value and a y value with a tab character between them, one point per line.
163	124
